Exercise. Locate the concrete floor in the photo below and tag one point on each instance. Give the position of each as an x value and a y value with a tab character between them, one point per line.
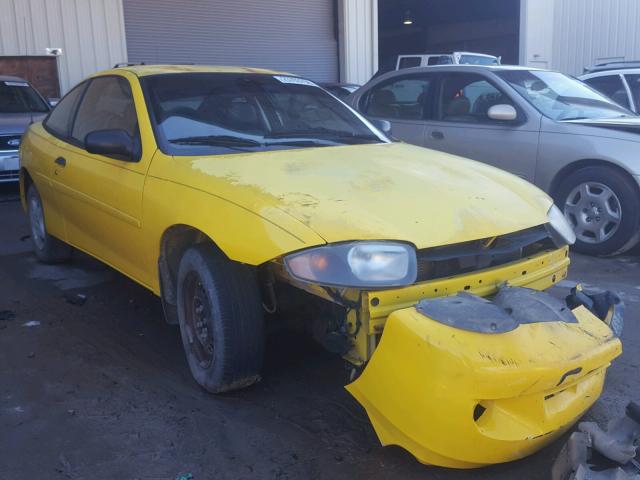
102	390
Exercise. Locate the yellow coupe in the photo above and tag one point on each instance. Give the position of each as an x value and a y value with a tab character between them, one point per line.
239	195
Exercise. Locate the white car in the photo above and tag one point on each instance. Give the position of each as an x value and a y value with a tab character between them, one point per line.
455	58
618	82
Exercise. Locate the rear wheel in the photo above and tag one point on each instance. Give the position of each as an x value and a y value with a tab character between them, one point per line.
221	321
601	203
48	249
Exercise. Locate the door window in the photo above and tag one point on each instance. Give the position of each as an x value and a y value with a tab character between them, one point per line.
468	98
634	85
405	98
612	87
107	104
59	120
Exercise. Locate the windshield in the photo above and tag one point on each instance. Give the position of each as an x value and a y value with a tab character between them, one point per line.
478	60
221	113
20	97
560	97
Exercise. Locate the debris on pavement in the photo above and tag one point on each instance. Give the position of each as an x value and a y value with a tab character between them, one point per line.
31	355
78	299
31	323
186	476
593	454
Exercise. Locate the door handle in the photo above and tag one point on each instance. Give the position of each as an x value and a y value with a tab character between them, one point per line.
437	135
60	161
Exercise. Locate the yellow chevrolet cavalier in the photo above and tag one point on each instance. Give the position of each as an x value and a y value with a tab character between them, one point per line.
240	195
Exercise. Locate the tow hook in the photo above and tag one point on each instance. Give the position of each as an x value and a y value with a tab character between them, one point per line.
607	306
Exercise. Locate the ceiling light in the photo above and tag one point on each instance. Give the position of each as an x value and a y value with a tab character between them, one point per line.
408	18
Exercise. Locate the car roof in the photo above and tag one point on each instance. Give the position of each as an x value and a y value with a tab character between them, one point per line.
467	68
613	71
146	70
10	78
603	67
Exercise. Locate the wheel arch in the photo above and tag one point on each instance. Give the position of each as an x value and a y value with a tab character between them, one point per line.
25	181
175	240
580	164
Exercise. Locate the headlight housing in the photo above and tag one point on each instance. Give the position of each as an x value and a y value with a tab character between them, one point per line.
560	227
375	264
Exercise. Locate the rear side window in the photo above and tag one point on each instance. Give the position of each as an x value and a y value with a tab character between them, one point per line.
409	62
634	85
59	120
441	60
107	104
405	98
612	87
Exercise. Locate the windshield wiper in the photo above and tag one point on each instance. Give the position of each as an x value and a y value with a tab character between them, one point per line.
217	140
302	142
322	133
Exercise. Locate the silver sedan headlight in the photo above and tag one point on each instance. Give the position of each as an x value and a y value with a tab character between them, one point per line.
561	226
375	264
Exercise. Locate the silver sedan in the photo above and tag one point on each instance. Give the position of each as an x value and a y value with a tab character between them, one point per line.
546	127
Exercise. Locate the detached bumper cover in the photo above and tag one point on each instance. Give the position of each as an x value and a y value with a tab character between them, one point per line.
463	399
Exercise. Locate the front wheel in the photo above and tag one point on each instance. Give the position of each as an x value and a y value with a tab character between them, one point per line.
221	321
601	204
48	249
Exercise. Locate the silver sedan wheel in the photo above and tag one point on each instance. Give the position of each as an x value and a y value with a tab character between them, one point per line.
36	219
594	212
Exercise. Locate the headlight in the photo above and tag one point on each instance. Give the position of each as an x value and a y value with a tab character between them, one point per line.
560	226
356	264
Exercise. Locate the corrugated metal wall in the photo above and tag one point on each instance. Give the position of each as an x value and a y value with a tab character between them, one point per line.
587	32
293	35
358	40
90	33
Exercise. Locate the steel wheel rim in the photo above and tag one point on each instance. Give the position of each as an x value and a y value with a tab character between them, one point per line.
198	324
36	220
594	211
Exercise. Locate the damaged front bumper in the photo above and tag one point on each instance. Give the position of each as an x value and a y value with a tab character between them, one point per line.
469	387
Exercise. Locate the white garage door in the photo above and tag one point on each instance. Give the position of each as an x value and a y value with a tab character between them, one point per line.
298	36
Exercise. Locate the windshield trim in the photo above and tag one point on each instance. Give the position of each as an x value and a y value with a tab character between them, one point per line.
500	74
165	146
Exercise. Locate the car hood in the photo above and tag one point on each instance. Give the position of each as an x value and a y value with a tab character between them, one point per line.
17	123
623	124
382	191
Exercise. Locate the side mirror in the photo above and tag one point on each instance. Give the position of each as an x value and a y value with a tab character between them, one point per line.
383	125
503	112
112	143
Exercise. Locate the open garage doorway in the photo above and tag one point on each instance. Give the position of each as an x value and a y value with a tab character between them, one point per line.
444	26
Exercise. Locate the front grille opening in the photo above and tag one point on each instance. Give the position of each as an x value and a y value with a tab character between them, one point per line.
468	257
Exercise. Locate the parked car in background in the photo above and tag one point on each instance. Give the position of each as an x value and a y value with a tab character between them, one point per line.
241	195
455	58
340	90
546	127
20	105
618	81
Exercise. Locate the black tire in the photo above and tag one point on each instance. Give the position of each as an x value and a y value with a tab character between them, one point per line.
627	233
47	248
224	297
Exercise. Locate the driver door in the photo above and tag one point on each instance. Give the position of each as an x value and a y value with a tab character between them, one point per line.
101	196
462	125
